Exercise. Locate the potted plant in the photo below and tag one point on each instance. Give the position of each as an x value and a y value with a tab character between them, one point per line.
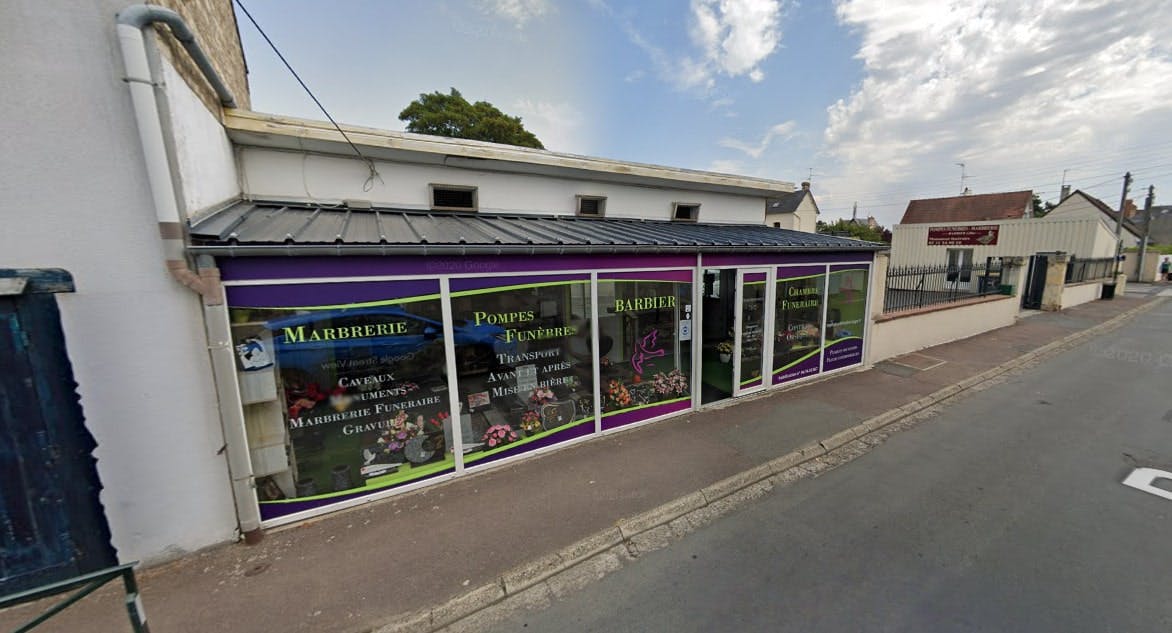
531	422
725	349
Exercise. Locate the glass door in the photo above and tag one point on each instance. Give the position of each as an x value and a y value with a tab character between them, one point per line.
749	342
717	333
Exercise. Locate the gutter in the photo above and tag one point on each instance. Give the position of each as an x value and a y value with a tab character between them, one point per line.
342	250
130	23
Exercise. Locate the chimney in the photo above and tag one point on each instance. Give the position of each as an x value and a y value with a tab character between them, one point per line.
1065	193
1129	209
806	185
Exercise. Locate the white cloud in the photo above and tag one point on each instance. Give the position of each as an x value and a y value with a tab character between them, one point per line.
560	126
1016	89
519	12
784	130
735	37
727	167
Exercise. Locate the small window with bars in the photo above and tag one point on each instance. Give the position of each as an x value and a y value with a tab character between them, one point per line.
685	211
592	206
453	198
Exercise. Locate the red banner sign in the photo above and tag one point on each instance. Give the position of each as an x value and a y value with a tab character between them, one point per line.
978	235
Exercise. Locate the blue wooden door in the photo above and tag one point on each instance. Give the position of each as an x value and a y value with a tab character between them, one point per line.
52	526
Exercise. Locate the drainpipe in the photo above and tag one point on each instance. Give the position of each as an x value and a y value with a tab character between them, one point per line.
130	24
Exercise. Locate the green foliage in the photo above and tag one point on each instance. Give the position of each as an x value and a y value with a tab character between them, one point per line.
1041	208
858	231
451	115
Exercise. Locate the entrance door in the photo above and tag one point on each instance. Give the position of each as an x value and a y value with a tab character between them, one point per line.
51	523
749	347
718	333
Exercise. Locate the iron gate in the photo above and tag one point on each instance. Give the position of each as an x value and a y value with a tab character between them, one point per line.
52	526
1035	282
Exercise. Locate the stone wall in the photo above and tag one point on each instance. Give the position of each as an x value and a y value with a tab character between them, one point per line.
214	24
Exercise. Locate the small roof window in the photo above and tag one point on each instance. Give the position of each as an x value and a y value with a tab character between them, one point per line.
453	198
685	211
592	206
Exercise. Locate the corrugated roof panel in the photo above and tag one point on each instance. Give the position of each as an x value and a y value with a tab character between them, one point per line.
327	227
363	228
271	223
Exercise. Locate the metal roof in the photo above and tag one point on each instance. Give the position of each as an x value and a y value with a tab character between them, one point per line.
266	228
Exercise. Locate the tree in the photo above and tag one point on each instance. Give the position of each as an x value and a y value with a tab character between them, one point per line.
857	230
451	115
1041	209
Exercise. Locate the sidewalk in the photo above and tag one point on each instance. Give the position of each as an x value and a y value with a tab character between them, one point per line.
354	571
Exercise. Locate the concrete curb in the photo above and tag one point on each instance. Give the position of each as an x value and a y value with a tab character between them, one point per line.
536	584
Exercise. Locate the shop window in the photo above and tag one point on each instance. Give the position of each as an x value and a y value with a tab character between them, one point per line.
685	211
526	379
797	333
846	316
343	401
645	349
453	198
592	206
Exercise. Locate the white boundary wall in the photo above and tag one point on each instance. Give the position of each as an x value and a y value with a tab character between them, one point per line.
903	334
1078	294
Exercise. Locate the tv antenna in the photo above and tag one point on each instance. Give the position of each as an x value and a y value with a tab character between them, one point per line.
963	177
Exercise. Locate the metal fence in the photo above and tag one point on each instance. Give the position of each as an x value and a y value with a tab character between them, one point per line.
911	287
1080	270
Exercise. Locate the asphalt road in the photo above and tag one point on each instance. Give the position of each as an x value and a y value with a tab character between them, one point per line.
1005	512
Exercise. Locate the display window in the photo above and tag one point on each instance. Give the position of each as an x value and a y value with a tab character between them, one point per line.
532	384
645	344
345	399
800	299
846	316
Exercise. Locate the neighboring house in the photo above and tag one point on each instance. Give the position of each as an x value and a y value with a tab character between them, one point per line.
1083	206
1161	231
966	230
797	211
219	408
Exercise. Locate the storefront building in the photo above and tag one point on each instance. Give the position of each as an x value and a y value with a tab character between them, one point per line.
368	367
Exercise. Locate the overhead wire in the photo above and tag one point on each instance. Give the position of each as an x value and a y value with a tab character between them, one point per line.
369	184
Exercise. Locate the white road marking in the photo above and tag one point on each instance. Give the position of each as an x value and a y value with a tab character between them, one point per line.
1142	478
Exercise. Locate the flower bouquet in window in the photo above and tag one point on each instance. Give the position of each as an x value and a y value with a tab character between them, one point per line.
499	435
673	383
617	395
725	349
541	395
531	422
394	438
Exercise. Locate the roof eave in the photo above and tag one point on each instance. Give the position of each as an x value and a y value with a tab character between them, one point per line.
343	250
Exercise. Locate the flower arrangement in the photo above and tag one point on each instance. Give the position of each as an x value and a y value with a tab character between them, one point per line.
673	383
530	422
398	431
617	394
724	347
499	435
541	395
437	422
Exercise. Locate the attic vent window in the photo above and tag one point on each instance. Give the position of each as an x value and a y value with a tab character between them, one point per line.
453	198
592	206
685	211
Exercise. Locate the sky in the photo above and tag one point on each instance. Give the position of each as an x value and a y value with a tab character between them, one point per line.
875	102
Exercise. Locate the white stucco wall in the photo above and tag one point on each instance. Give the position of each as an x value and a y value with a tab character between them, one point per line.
1078	294
298	177
74	196
905	334
204	156
1079	237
